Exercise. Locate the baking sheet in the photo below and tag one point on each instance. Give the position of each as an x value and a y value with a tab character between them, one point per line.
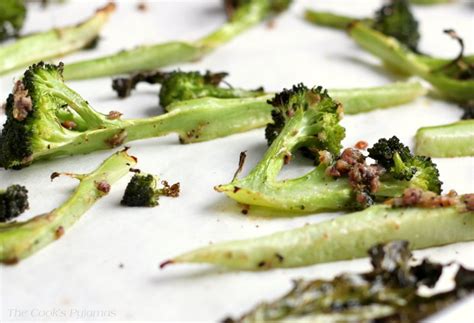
106	267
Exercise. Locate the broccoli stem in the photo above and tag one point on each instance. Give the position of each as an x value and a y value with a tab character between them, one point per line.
156	56
451	140
194	121
329	19
19	240
343	238
53	43
367	99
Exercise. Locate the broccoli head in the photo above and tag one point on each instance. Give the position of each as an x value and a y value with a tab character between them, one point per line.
43	115
13	202
142	191
396	158
396	20
12	17
319	113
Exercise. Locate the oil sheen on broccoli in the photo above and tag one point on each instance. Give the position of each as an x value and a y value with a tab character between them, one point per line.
308	120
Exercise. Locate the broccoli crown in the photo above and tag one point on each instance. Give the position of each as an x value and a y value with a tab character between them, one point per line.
401	164
32	116
12	17
321	112
396	20
13	202
180	86
141	191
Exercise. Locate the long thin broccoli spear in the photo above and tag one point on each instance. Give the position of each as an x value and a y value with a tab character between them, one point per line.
47	119
19	240
54	43
343	238
246	15
451	140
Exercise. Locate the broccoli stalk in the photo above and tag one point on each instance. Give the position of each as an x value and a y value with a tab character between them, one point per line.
12	17
432	221
182	86
142	191
245	14
390	292
308	119
47	119
451	140
54	43
13	202
19	240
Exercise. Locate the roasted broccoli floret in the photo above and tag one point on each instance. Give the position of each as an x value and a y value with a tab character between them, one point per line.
56	42
12	17
13	202
313	116
394	19
47	119
181	86
308	119
402	165
142	190
244	15
19	240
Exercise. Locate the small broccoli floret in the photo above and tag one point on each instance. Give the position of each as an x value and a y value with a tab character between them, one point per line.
142	191
180	86
12	17
319	112
400	164
13	202
396	20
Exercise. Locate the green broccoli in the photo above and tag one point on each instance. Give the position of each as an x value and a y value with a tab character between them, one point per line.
244	15
181	86
12	17
454	79
423	218
390	292
394	19
46	119
13	202
56	42
451	140
142	191
19	240
308	119
178	86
